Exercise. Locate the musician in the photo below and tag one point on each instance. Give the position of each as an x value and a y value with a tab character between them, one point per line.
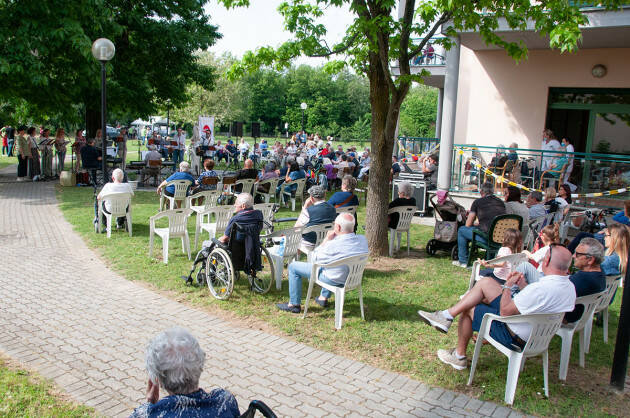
149	171
45	145
207	144
178	150
221	153
194	150
121	146
79	143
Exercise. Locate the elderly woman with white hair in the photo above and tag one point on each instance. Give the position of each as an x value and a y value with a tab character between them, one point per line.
405	198
182	174
174	362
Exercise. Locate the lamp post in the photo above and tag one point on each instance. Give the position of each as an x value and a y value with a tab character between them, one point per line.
103	50
303	106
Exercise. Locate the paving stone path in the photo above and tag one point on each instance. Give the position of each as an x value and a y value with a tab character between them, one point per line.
65	314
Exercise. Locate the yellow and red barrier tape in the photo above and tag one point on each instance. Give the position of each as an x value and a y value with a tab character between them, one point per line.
502	179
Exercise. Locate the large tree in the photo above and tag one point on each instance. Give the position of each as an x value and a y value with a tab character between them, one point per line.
377	38
46	60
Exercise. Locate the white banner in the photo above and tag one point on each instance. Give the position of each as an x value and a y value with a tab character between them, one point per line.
206	122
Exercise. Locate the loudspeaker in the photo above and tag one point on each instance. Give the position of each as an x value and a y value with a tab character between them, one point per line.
237	129
256	129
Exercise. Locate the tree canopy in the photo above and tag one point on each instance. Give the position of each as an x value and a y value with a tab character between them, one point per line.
378	37
46	60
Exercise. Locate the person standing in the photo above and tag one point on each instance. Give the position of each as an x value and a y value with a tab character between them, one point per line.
23	153
568	147
5	141
45	145
79	143
10	139
121	146
178	150
60	147
34	162
549	143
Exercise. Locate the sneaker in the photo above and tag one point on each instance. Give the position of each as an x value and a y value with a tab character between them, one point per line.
458	264
321	302
436	320
289	308
450	357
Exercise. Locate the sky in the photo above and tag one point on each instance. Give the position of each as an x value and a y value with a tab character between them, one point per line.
260	24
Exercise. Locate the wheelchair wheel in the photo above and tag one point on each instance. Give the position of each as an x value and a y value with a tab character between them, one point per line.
220	274
263	280
201	275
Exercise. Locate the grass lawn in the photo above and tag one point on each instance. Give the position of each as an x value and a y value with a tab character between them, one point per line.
7	161
392	337
26	394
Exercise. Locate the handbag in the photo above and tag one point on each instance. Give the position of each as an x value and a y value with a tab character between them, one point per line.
445	231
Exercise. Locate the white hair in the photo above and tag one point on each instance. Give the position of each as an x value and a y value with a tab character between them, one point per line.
245	199
300	161
346	222
175	360
406	189
184	166
118	175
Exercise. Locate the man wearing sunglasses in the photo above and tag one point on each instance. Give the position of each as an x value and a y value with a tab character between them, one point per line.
589	278
552	293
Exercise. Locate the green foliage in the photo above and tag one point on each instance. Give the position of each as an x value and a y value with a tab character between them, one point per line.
418	112
46	59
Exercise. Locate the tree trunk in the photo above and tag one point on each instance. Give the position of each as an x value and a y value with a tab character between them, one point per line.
92	119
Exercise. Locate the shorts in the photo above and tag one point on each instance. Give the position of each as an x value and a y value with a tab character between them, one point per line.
498	330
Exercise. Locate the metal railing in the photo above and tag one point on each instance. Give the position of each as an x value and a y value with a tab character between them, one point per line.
430	58
537	169
406	145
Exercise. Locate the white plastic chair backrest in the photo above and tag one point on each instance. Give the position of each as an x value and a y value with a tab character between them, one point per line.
544	328
210	198
513	259
267	211
300	187
177	220
292	240
612	283
590	302
222	215
118	203
356	264
320	230
346	209
405	214
247	185
272	182
181	187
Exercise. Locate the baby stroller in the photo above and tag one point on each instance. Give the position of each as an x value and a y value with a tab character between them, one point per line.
449	216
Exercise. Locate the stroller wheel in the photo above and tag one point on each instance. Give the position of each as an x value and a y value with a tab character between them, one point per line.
454	255
431	247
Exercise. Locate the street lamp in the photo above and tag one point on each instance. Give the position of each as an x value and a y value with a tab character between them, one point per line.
103	50
303	106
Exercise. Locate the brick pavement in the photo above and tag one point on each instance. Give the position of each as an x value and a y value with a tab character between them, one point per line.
65	314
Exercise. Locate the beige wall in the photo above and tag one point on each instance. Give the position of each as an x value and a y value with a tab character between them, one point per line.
500	101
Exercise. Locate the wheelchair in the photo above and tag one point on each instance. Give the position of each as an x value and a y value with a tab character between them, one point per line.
220	264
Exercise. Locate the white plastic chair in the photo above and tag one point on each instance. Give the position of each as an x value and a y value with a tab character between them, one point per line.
320	231
292	239
405	215
267	212
347	209
246	186
210	198
612	284
513	259
566	331
273	184
222	215
544	327
177	227
299	192
120	206
181	187
356	264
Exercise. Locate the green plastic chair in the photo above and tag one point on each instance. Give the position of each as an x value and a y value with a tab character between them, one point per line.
494	237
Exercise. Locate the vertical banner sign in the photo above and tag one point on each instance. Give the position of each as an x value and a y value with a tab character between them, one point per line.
207	122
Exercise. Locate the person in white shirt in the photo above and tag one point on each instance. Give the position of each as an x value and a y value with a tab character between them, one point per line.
207	142
549	143
568	147
116	186
553	293
243	148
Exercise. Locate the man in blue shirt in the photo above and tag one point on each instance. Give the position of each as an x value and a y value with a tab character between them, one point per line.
316	211
341	242
182	174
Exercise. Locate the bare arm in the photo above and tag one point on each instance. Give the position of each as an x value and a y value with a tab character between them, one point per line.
508	307
470	221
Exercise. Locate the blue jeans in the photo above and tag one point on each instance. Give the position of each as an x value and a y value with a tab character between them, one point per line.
178	156
464	236
299	270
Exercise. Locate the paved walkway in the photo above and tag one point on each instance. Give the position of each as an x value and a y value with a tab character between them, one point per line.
65	314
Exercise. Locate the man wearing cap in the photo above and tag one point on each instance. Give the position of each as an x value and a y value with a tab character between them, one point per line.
316	211
152	155
340	243
232	151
